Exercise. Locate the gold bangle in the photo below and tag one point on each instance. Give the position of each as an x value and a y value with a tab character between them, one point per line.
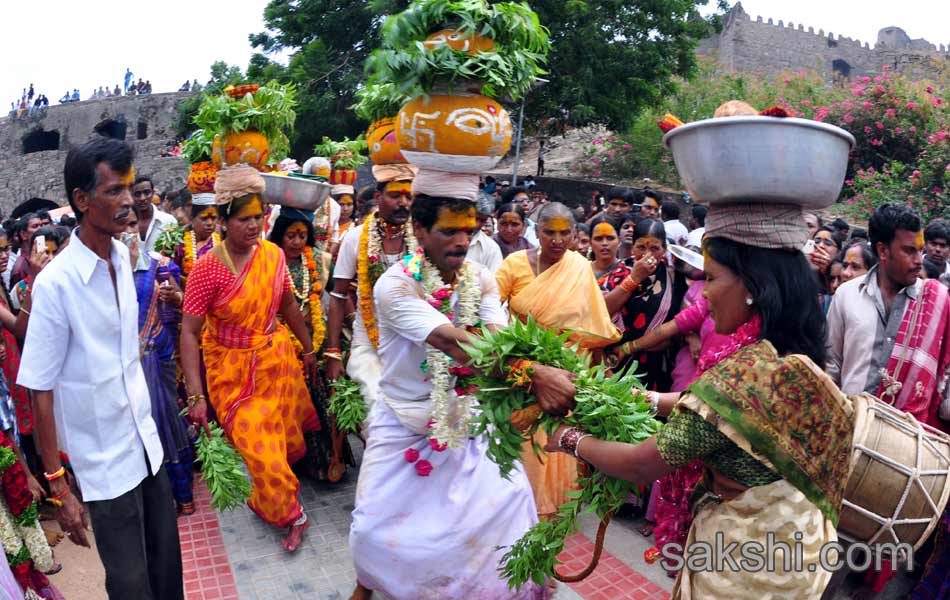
334	355
24	311
309	353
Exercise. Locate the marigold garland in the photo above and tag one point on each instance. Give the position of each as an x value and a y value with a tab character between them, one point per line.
310	293
370	266
190	250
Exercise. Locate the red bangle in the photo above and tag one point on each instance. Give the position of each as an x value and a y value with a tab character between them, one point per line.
629	284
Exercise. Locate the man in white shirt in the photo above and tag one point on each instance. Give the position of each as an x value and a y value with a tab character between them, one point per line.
392	235
676	232
697	226
484	250
152	222
437	528
81	359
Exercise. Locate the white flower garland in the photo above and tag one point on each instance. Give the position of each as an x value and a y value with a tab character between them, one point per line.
14	536
375	242
450	428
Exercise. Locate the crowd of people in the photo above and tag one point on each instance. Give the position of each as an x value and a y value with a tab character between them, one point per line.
29	104
226	327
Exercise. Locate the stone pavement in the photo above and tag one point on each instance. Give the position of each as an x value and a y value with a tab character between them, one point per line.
236	556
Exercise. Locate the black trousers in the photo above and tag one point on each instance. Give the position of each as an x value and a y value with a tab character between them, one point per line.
137	537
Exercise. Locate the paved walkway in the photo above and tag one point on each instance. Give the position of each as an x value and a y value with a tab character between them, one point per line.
235	555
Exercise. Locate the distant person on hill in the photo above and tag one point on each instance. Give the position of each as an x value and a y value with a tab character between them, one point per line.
128	80
541	153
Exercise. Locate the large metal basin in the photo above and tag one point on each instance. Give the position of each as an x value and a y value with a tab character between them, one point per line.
295	192
761	159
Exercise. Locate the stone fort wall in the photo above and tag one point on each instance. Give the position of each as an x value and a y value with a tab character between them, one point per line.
762	45
33	148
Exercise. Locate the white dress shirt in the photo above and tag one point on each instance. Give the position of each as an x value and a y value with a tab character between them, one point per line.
676	232
485	251
159	223
85	348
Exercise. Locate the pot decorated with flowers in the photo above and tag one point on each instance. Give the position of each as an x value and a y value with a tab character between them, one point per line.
247	124
379	104
345	157
202	177
472	55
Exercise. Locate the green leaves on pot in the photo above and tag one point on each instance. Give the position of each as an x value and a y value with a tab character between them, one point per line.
347	405
222	468
379	101
269	111
609	407
506	71
342	155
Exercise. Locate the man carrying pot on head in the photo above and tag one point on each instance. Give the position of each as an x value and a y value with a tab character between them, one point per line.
365	253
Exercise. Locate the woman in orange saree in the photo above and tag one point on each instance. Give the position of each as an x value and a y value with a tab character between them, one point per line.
234	295
556	287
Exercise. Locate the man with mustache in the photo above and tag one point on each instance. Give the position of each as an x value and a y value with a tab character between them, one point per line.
873	340
432	511
90	391
365	253
152	222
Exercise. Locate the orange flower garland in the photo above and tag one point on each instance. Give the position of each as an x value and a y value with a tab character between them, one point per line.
311	293
364	283
190	247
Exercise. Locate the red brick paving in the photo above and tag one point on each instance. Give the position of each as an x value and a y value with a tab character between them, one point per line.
611	580
204	559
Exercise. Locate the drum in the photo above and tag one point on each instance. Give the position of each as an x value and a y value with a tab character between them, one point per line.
900	478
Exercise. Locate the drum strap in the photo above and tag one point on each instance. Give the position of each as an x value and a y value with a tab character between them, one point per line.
892	387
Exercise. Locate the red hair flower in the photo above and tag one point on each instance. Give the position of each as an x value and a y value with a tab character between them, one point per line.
423	468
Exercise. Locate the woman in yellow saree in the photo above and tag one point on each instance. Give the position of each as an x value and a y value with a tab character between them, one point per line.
556	287
772	429
259	394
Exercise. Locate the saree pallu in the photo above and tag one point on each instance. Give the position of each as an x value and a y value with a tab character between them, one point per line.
565	297
787	414
256	385
161	374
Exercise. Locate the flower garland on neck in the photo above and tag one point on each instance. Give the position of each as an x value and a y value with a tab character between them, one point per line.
309	292
370	266
190	247
448	428
23	539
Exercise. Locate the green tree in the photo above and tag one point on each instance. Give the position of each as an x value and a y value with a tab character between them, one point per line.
611	58
222	75
330	41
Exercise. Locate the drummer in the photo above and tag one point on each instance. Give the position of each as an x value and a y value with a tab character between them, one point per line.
751	418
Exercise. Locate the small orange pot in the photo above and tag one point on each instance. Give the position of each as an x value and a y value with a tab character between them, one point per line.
342	177
383	146
247	147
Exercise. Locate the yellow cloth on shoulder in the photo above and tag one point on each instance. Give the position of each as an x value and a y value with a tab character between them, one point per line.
565	297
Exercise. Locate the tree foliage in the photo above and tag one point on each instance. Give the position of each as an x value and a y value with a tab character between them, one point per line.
612	58
609	59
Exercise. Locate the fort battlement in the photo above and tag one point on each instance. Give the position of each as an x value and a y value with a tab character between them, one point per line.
764	45
33	148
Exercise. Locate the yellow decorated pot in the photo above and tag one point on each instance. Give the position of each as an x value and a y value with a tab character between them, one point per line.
463	133
201	178
247	147
456	40
383	146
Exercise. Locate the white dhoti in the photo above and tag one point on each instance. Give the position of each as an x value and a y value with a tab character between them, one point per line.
435	537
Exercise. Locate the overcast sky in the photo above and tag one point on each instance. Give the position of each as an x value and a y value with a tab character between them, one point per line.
59	45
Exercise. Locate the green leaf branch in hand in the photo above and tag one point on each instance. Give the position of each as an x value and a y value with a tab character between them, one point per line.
608	407
168	241
347	405
222	468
